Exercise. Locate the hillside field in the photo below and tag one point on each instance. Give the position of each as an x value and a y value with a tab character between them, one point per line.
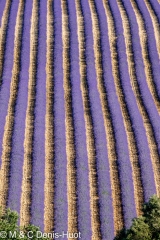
79	113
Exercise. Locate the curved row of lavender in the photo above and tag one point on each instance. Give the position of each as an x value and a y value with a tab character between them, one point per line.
81	160
156	8
7	70
104	185
38	161
60	158
141	78
124	165
2	7
5	12
135	117
151	44
17	154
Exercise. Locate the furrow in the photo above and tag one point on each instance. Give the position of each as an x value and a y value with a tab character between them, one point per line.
155	6
38	160
9	124
138	191
25	212
131	45
71	154
81	158
95	220
3	34
139	198
59	127
6	72
144	40
156	24
2	7
17	153
49	136
112	155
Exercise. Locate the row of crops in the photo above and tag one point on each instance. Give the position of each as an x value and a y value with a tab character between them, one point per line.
79	112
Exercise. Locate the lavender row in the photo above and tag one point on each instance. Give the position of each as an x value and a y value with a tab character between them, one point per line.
139	67
135	117
38	162
156	8
102	162
17	154
60	159
83	196
124	165
151	44
7	71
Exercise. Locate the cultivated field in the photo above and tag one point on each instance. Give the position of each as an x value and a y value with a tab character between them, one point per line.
79	112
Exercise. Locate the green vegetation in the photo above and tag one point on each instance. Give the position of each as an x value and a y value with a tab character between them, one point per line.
147	226
9	228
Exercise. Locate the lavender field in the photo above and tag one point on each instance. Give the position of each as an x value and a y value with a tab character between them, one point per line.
79	112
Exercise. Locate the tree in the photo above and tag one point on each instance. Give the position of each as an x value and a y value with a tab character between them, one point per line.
9	228
145	227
